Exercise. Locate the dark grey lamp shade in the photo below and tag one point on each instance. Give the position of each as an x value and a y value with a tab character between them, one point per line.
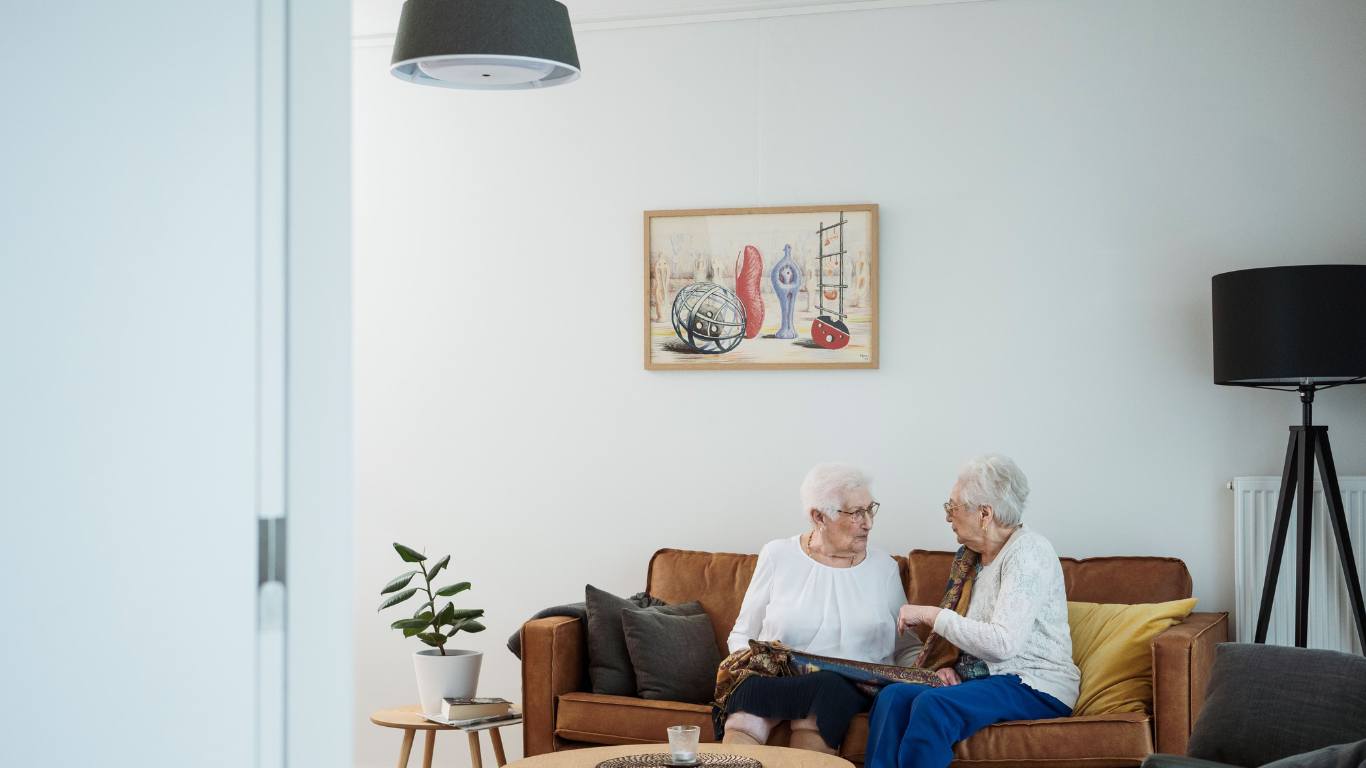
1290	325
485	44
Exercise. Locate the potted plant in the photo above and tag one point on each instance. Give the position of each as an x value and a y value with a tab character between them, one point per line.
441	673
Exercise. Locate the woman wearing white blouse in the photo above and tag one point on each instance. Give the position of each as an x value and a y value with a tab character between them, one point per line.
1015	645
823	592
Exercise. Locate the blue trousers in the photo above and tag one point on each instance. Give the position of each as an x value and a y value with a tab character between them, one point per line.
916	726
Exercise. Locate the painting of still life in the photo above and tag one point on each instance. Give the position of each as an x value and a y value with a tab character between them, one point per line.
746	288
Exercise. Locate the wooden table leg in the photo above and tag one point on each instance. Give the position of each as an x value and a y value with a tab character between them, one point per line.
476	759
498	755
406	749
427	747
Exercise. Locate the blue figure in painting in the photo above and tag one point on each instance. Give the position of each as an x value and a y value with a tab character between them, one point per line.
786	280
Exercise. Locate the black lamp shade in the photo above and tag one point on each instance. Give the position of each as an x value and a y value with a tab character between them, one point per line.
1290	325
485	44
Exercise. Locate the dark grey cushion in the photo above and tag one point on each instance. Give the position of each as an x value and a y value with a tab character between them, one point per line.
1160	760
674	657
1266	702
609	663
1337	756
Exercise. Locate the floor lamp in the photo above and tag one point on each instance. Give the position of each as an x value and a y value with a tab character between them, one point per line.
1296	329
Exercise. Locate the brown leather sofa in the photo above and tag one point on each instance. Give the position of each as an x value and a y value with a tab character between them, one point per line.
561	713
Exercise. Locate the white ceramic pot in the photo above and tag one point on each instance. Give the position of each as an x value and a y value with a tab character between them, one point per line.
454	675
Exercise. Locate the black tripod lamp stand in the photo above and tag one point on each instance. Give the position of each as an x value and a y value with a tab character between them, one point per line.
1297	329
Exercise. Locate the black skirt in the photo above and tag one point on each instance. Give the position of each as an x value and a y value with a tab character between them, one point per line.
830	697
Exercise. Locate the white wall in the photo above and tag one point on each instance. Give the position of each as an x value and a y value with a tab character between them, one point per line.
1058	182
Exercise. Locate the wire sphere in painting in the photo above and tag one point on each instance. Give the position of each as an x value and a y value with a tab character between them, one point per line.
709	318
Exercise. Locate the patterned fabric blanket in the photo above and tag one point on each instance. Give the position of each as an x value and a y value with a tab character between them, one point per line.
773	659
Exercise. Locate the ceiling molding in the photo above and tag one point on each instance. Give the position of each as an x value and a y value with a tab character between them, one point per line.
596	22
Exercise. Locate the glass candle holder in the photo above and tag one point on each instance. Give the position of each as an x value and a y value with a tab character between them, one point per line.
683	743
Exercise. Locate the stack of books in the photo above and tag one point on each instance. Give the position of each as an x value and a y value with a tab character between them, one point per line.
475	711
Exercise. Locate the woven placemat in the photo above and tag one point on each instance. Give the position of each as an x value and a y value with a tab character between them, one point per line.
665	760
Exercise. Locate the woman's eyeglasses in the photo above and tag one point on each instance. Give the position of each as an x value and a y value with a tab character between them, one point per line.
867	513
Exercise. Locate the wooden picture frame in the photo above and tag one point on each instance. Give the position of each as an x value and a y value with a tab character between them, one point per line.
792	287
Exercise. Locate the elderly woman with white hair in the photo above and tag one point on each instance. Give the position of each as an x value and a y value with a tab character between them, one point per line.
825	592
1014	642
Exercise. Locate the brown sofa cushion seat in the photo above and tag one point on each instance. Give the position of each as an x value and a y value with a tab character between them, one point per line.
598	718
1118	739
1124	738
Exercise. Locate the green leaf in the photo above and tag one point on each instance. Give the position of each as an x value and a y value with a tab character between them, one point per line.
409	554
411	624
466	613
446	615
453	589
398	583
421	608
434	639
467	625
425	617
435	569
396	599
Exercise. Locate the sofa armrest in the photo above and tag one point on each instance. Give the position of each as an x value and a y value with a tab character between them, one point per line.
1182	658
554	657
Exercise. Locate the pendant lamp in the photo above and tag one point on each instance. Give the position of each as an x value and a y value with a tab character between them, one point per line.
485	45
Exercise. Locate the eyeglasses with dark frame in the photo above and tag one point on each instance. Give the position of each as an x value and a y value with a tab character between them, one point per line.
867	513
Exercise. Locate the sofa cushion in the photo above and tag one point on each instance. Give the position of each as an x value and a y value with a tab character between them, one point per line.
673	656
715	579
1351	755
1092	580
1121	738
609	663
1267	702
597	718
1112	647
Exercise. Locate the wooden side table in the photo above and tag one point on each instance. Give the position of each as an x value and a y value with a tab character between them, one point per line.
410	720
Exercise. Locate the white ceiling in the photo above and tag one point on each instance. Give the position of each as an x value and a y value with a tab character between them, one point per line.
380	17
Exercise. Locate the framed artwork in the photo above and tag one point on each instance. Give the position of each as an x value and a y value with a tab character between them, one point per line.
747	288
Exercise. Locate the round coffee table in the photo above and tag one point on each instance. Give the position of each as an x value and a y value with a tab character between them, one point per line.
410	720
771	757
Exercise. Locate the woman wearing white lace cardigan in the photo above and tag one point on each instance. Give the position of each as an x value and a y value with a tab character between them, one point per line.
1015	644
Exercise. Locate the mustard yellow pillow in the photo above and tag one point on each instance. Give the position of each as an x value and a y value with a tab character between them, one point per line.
1112	646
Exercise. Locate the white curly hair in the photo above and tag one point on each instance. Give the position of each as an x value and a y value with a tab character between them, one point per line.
997	482
826	484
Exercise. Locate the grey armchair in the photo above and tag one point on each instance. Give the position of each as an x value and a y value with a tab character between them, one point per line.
1274	707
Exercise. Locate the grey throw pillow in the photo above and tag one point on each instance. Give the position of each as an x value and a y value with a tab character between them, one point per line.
674	657
609	663
1337	756
1267	702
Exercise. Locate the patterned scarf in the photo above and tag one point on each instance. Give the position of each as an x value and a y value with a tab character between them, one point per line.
773	659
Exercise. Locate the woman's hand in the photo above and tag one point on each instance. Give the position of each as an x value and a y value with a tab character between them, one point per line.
913	615
947	676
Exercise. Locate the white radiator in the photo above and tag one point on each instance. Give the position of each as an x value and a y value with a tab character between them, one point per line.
1330	616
